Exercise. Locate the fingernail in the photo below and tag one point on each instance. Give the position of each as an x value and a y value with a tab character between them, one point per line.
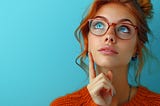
113	93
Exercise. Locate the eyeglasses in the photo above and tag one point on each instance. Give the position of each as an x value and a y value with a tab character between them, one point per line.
123	30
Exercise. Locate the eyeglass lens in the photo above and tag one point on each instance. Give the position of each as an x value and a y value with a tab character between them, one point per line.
122	30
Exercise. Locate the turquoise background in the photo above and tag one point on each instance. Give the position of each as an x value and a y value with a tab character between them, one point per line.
38	51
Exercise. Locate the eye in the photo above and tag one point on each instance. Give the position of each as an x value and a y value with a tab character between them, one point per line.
123	29
98	25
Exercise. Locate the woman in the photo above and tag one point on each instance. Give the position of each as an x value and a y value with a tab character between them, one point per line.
114	33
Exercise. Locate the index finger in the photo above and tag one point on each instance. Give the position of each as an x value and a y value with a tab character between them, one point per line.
92	72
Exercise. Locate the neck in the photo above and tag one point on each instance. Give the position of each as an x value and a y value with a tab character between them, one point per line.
119	81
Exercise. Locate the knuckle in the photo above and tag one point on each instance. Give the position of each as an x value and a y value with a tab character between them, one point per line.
103	75
104	81
102	84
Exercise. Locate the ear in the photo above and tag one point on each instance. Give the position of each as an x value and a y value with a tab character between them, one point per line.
135	51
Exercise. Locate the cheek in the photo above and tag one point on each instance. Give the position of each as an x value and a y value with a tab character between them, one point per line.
129	49
92	42
134	46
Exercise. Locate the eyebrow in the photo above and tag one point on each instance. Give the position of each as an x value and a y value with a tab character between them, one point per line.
121	20
125	19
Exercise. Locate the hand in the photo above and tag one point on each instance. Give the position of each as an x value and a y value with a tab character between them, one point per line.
100	87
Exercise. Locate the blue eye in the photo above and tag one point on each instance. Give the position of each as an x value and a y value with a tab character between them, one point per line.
123	29
99	25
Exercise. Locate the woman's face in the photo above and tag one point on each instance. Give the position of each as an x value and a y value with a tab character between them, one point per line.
109	50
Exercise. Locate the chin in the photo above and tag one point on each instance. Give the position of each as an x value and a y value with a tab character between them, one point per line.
105	63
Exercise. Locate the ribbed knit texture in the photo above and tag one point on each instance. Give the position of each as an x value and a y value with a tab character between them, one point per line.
78	98
144	97
82	97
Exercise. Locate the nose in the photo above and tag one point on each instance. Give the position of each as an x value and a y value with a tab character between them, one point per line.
110	39
110	36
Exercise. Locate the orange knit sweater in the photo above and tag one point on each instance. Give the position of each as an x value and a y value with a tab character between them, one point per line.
82	97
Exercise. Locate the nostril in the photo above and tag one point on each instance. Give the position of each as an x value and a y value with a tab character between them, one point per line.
106	39
111	39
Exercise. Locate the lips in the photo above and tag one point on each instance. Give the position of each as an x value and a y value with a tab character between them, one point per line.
108	50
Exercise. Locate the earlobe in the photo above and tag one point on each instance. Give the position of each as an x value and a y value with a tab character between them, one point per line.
135	54
134	58
136	51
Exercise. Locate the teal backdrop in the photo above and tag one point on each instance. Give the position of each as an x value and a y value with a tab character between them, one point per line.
38	51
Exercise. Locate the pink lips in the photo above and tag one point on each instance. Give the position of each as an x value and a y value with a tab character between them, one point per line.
108	50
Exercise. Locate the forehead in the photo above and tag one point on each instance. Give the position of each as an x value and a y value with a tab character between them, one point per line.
114	12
